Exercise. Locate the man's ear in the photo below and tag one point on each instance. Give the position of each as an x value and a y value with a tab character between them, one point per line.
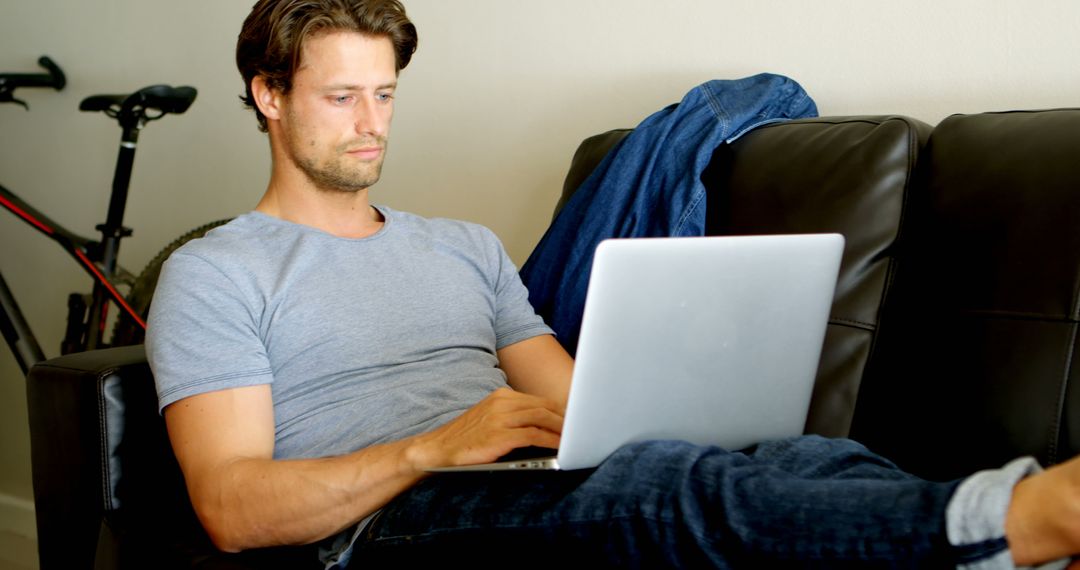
266	98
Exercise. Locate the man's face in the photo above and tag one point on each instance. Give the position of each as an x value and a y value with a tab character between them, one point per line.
337	116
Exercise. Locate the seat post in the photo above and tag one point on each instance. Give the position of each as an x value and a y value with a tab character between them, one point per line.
112	230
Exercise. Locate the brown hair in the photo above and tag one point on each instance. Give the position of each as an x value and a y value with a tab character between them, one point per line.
272	38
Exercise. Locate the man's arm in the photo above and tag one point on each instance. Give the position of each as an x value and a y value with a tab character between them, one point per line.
539	366
244	498
224	442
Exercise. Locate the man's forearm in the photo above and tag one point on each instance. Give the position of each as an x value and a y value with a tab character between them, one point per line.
264	502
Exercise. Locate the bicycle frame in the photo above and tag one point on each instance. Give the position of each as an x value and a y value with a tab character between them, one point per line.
90	255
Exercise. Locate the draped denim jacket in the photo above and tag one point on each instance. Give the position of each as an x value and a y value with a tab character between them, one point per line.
649	185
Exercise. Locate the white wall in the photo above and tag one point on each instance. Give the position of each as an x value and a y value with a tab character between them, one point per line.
489	113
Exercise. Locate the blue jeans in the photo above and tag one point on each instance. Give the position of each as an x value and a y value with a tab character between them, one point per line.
807	502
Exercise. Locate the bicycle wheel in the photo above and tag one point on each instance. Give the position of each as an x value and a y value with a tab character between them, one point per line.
127	331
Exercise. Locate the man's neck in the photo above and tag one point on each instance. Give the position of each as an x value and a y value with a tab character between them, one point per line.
343	214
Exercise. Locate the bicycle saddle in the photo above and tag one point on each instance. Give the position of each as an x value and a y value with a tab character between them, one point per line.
163	98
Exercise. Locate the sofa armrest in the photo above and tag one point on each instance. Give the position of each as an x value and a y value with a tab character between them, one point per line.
107	488
74	434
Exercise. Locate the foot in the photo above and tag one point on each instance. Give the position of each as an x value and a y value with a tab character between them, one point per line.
1043	520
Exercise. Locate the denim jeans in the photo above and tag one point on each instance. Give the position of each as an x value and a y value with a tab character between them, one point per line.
805	502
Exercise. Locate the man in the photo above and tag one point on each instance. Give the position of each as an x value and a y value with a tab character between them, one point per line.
315	356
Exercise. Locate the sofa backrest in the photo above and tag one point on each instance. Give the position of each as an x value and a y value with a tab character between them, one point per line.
850	175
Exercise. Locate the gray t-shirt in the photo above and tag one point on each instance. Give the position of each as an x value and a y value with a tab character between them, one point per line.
363	341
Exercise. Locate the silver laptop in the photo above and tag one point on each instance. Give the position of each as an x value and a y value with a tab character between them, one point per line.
711	340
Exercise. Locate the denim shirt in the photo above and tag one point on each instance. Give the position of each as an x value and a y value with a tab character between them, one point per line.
649	185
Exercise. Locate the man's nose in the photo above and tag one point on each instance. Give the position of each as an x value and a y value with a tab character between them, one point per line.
371	118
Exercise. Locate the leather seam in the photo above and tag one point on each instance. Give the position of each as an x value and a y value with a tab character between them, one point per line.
853	324
1063	390
1017	316
103	442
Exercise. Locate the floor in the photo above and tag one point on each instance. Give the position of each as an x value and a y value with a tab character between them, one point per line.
17	552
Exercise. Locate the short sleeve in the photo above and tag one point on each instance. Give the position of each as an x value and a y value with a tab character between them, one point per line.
203	332
515	318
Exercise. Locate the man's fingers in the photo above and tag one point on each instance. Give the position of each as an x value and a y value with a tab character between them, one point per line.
534	417
506	398
542	438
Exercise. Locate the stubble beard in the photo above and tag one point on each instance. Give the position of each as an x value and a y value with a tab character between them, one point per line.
338	175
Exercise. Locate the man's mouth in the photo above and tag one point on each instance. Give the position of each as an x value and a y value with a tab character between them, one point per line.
365	153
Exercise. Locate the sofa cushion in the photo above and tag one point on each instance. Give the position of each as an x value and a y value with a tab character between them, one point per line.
849	175
978	359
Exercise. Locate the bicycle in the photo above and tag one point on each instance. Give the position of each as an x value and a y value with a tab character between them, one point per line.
88	313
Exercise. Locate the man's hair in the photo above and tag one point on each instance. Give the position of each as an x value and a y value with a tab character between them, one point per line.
272	38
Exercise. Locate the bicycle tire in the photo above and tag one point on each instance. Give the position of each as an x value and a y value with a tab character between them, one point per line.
127	331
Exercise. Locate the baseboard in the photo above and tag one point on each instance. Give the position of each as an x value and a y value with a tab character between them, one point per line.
17	516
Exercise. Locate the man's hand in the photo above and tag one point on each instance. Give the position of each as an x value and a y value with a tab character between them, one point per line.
501	422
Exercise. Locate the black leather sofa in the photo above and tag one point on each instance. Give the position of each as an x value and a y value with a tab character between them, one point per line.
952	344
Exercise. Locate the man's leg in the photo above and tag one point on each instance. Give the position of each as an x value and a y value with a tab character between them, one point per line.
807	501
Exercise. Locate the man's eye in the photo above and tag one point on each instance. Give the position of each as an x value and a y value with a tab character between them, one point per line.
384	96
342	99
